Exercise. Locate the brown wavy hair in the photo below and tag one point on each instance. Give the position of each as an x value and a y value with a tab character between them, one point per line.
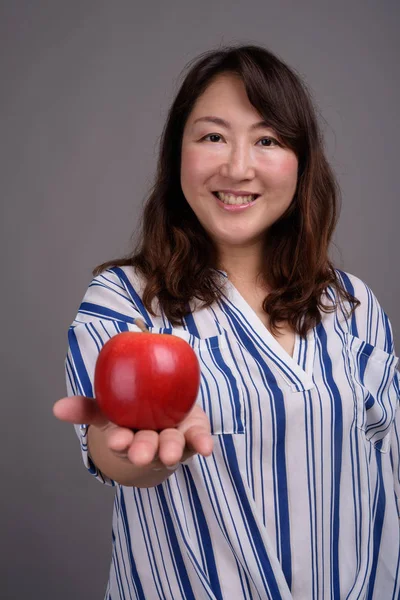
176	255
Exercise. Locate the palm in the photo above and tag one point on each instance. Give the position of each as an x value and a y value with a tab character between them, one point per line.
169	446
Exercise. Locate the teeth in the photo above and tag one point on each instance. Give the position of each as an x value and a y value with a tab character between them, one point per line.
230	199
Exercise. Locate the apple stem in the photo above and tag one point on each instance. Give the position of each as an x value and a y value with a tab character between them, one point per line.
141	324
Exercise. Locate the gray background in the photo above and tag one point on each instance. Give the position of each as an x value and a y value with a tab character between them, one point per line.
85	88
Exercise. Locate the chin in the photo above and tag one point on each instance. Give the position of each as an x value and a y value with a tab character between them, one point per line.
234	242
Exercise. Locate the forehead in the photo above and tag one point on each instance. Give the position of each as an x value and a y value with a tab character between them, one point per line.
225	94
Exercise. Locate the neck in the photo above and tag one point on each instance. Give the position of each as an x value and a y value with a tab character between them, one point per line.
242	266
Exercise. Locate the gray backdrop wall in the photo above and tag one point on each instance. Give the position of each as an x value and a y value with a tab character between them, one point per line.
85	88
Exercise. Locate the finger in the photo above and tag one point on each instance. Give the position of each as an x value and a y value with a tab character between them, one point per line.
143	448
196	416
171	446
120	439
199	439
78	410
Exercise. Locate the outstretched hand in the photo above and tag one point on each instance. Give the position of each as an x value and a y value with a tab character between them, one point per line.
143	447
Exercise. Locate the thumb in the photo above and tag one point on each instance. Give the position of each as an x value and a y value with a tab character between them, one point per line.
78	410
199	439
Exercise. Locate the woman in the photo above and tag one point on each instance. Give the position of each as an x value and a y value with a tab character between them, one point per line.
283	481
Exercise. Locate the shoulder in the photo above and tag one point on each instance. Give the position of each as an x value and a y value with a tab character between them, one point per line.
356	286
369	321
115	293
115	282
120	277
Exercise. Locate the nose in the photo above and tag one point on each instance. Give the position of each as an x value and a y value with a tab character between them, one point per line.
238	164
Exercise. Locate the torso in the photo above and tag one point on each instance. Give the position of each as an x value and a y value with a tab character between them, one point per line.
289	439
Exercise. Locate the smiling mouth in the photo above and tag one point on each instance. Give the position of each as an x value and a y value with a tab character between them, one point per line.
235	200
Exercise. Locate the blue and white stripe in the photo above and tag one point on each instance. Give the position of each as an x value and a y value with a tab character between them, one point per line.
300	498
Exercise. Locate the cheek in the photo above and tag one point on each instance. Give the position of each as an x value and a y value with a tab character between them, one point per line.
189	168
286	172
195	164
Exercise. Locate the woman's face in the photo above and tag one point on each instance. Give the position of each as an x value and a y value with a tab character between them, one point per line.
227	151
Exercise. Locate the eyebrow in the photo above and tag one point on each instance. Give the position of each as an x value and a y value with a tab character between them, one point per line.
223	123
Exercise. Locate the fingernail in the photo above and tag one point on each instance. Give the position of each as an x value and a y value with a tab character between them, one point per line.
172	467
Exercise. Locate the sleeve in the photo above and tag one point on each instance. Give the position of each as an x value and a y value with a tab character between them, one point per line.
371	323
110	306
395	445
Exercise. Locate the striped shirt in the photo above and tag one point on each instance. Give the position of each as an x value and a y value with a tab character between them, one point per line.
300	497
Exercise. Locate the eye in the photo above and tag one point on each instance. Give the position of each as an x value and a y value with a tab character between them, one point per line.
270	141
212	137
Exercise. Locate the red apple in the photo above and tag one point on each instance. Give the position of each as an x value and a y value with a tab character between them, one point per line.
146	380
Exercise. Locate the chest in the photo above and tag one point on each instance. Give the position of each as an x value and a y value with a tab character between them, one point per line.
254	298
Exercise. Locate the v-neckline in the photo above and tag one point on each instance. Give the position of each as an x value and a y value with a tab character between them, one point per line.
302	378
